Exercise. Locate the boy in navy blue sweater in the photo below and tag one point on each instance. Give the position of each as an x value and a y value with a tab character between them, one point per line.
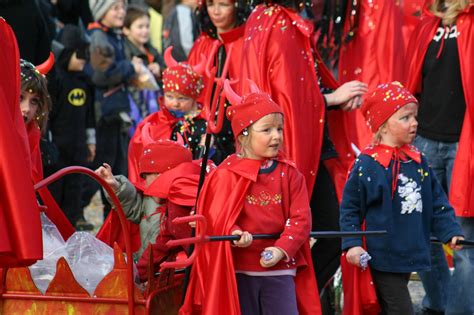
392	187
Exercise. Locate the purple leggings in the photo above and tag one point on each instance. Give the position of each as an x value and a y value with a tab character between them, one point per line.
267	295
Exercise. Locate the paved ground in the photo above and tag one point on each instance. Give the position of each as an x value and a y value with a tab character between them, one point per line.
93	214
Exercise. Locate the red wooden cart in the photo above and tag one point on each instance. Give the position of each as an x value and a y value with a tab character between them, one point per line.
117	293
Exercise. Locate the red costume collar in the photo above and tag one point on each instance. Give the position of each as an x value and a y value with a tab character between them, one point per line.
233	35
384	154
248	168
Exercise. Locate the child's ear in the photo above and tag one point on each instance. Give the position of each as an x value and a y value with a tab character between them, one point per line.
126	31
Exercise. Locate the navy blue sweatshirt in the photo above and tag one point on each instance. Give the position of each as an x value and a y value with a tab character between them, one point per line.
419	207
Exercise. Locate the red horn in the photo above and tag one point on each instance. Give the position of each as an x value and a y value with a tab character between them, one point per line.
169	60
253	87
179	139
47	65
201	66
146	137
233	98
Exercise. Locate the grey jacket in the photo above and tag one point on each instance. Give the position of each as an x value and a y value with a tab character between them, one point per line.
141	210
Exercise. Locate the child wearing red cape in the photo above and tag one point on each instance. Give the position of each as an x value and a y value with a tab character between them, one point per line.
255	191
180	117
171	186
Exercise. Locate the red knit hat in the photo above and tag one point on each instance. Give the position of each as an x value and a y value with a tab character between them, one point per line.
382	102
248	109
163	155
181	77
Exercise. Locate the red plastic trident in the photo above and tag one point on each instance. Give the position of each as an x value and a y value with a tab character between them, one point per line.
216	104
197	240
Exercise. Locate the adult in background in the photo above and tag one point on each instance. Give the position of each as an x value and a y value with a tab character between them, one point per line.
441	74
222	22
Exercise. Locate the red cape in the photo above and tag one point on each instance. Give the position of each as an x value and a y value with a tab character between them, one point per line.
461	192
20	225
212	288
278	59
374	55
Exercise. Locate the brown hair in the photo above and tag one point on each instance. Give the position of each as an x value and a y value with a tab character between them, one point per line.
134	12
34	82
448	10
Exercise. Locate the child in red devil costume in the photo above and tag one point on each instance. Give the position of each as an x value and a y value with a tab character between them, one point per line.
391	187
180	117
255	191
170	191
35	105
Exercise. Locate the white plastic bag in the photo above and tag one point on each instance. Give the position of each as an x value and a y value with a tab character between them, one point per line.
90	259
44	270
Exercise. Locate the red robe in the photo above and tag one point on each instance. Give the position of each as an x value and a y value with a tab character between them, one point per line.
280	58
20	225
213	288
374	55
461	192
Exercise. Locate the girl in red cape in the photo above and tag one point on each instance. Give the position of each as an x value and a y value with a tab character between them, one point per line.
254	191
222	23
20	225
282	60
440	72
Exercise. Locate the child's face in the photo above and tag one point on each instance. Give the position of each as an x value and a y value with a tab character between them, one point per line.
149	178
29	105
177	101
222	14
115	16
400	128
265	138
139	31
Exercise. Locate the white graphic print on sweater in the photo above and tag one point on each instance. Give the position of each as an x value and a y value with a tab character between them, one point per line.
410	194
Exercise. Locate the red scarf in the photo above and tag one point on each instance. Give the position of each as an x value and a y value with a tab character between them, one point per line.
384	154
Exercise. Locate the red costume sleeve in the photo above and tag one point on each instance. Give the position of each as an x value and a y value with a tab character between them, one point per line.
20	225
298	225
461	192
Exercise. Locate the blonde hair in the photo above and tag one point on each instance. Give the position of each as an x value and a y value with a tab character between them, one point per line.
243	141
378	135
448	10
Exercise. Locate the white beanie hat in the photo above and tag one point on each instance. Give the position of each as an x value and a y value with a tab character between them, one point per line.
100	7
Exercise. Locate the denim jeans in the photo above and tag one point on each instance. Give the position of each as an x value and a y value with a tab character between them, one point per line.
441	157
461	287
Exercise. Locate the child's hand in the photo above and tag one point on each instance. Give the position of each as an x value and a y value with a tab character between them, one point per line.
137	64
91	149
453	242
245	238
105	172
155	69
353	255
276	255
